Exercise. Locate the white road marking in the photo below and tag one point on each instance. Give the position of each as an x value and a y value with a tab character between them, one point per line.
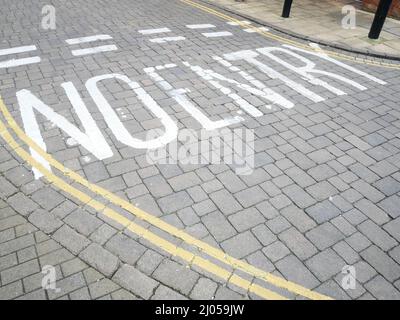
18	62
180	96
253	30
167	39
83	52
154	31
114	122
232	23
217	34
200	26
88	39
4	52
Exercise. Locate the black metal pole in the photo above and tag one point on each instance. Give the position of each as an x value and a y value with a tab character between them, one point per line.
379	20
286	8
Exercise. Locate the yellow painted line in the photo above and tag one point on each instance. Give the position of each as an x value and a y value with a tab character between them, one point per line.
165	245
288	41
203	246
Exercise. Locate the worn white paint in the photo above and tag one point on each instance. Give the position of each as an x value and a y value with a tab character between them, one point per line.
154	31
214	79
233	23
275	97
167	39
308	69
324	56
15	50
115	124
19	62
179	95
94	50
253	30
217	34
80	40
91	139
250	57
200	26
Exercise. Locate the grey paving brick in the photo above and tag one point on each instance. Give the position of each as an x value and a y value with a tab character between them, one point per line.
184	181
264	235
165	293
67	285
231	181
44	220
96	171
175	202
381	262
294	270
241	245
358	241
325	264
204	289
128	250
225	202
393	228
298	196
250	197
20	271
101	288
372	211
297	243
364	272
388	186
135	281
323	211
47	198
149	261
378	236
276	251
99	258
246	219
11	221
21	203
11	291
84	222
70	239
219	226
382	289
176	276
391	206
324	236
346	252
224	293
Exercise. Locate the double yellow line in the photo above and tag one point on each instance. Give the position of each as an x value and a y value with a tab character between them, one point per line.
288	41
191	258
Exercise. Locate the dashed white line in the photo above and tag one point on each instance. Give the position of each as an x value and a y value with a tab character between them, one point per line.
83	52
15	50
18	62
200	26
154	31
252	30
167	39
88	39
232	23
217	34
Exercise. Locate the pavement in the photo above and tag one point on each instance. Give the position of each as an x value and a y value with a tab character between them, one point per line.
327	22
85	213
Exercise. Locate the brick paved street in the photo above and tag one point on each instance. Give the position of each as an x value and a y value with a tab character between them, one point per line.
80	199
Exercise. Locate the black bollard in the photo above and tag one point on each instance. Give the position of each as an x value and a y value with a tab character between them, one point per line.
379	20
286	8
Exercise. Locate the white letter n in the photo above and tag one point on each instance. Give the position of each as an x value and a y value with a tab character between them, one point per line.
92	139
